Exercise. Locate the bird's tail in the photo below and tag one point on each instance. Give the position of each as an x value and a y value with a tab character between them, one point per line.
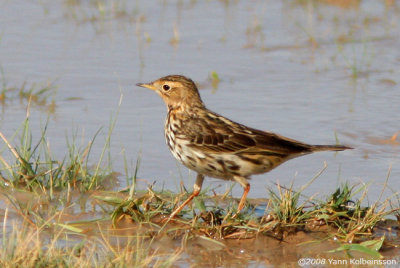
316	148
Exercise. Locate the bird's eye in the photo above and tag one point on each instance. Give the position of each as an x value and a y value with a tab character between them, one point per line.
166	87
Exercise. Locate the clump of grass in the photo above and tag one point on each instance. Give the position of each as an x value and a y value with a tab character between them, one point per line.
31	165
352	221
345	219
142	208
34	167
345	213
286	214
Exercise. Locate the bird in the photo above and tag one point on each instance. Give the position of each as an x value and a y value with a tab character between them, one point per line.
215	146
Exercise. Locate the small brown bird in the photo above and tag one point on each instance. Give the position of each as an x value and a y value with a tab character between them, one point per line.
213	145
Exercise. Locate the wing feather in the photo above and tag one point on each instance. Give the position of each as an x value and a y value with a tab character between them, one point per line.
217	134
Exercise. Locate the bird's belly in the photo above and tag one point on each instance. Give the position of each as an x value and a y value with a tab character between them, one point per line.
200	162
222	165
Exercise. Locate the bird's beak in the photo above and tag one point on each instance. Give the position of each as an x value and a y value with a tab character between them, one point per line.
149	86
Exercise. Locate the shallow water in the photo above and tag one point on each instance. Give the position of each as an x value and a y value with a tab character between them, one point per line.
284	67
196	246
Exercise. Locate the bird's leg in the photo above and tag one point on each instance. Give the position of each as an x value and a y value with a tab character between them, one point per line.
244	196
246	185
196	190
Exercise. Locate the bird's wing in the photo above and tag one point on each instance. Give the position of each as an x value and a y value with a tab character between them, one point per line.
216	134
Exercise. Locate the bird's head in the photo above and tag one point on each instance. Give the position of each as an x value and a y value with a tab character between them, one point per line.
177	91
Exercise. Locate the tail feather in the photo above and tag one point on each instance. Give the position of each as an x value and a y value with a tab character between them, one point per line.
316	148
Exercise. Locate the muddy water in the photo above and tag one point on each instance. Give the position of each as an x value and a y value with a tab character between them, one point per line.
86	213
308	70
